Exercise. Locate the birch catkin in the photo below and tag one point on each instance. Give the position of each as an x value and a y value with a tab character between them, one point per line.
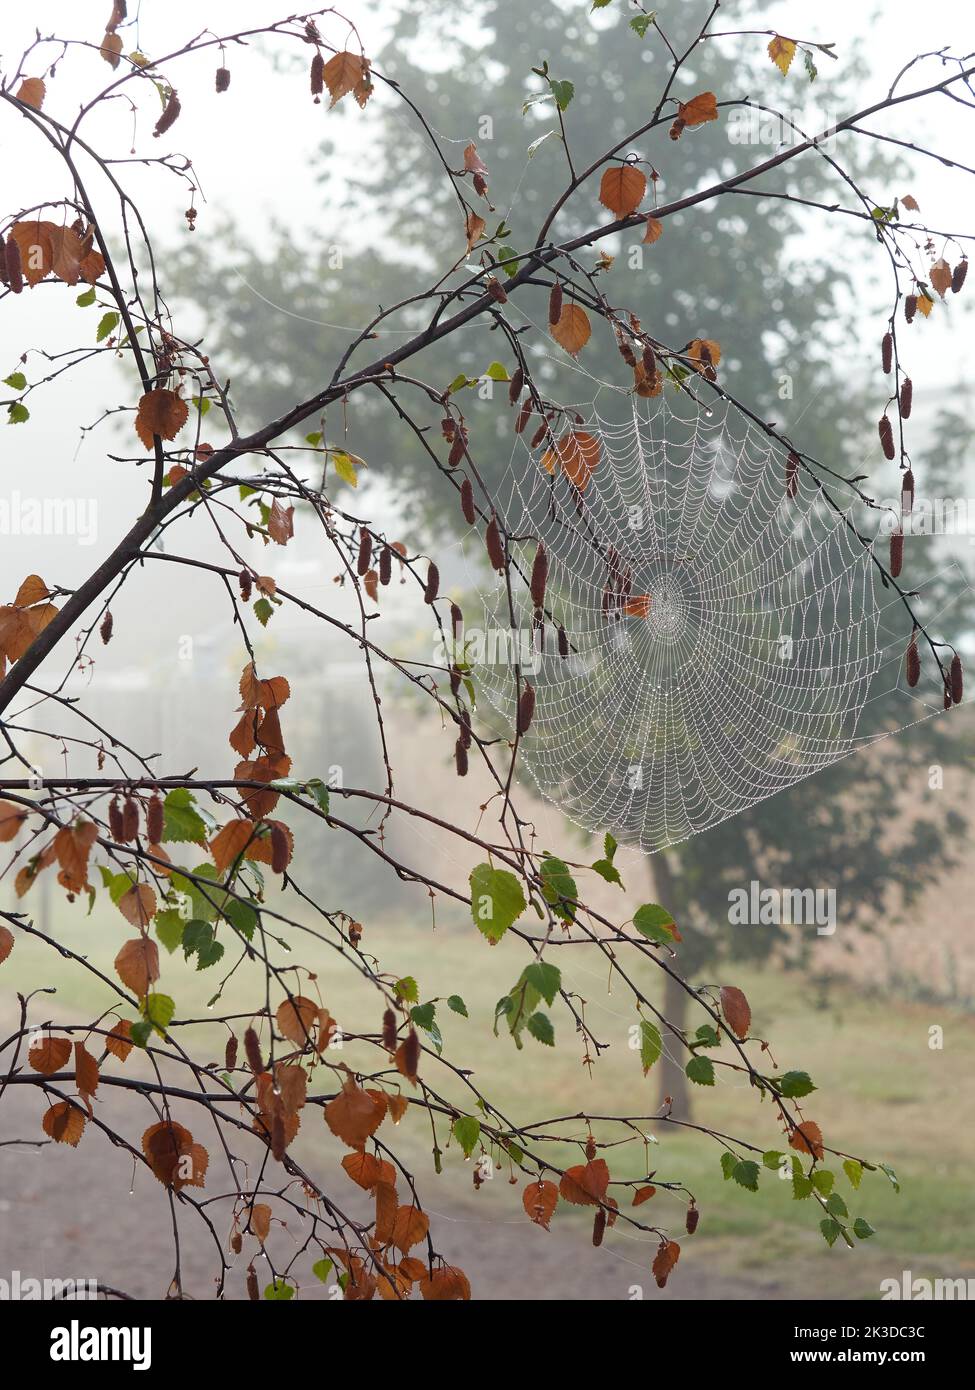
526	708
555	304
539	576
886	431
495	549
896	553
365	551
887	351
913	663
467	502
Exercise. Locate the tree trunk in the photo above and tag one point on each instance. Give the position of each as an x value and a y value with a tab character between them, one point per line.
671	1074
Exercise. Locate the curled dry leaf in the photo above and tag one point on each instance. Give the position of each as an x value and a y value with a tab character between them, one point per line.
664	1261
160	412
573	329
111	49
643	1194
260	1222
736	1010
138	905
655	230
85	1072
474	229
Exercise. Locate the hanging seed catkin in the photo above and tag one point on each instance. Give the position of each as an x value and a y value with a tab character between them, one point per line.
223	79
907	397
792	465
456	621
691	1219
495	549
913	663
539	434
563	642
385	564
896	553
389	1031
230	1053
154	819
958	276
887	351
457	450
496	290
252	1051
886	431
170	113
253	1288
599	1226
526	708
246	582
555	304
15	272
907	492
539	576
460	759
108	622
957	679
411	1054
524	415
278	1145
649	361
432	588
515	385
317	75
365	552
115	824
467	502
455	679
130	819
910	307
465	728
280	850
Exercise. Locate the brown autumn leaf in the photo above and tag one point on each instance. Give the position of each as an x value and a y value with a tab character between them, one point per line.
242	735
348	72
703	107
118	1041
19	627
69	254
85	1072
292	1083
355	1114
410	1226
704	353
32	92
280	523
49	1055
137	964
138	905
638	606
296	1019
585	1185
65	1123
807	1138
736	1010
36	248
258	694
655	230
260	1221
261	803
172	1155
367	1170
32	590
111	49
407	1056
11	819
473	162
370	582
940	277
268	732
32	869
72	845
578	455
474	229
261	850
392	1283
664	1261
573	329
449	1283
540	1200
160	412
398	1106
643	1194
387	1205
910	202
229	843
413	1268
622	189
6	942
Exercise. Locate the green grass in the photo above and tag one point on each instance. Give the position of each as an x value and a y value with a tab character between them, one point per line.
883	1094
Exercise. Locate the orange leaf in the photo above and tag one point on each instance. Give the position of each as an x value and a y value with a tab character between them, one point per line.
367	1170
292	1082
573	329
622	189
36	249
578	453
354	1114
229	843
32	590
72	845
585	1184
940	276
398	1106
31	92
111	49
348	72
258	694
137	964
261	1220
386	1209
117	1041
703	107
242	739
85	1071
296	1019
409	1228
173	1157
280	523
808	1139
11	819
49	1055
6	942
160	412
643	1194
655	230
540	1200
664	1261
65	1123
638	606
705	353
138	905
445	1284
736	1010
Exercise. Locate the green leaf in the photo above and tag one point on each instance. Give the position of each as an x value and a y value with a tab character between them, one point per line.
314	439
408	989
322	1269
823	1180
157	1011
106	324
467	1131
641	23
540	1027
17	413
746	1174
772	1158
457	1005
610	846
558	886
263	611
654	922
862	1229
497	900
536	145
811	69
181	821
139	1032
497	372
563	92
801	1187
242	917
508	260
169	926
605	869
279	1291
424	1015
706	1036
701	1071
853	1170
886	1168
346	465
545	978
651	1044
830	1229
84	300
836	1206
16	381
117	884
794	1084
728	1164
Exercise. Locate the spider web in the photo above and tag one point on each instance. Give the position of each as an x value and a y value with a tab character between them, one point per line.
724	636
